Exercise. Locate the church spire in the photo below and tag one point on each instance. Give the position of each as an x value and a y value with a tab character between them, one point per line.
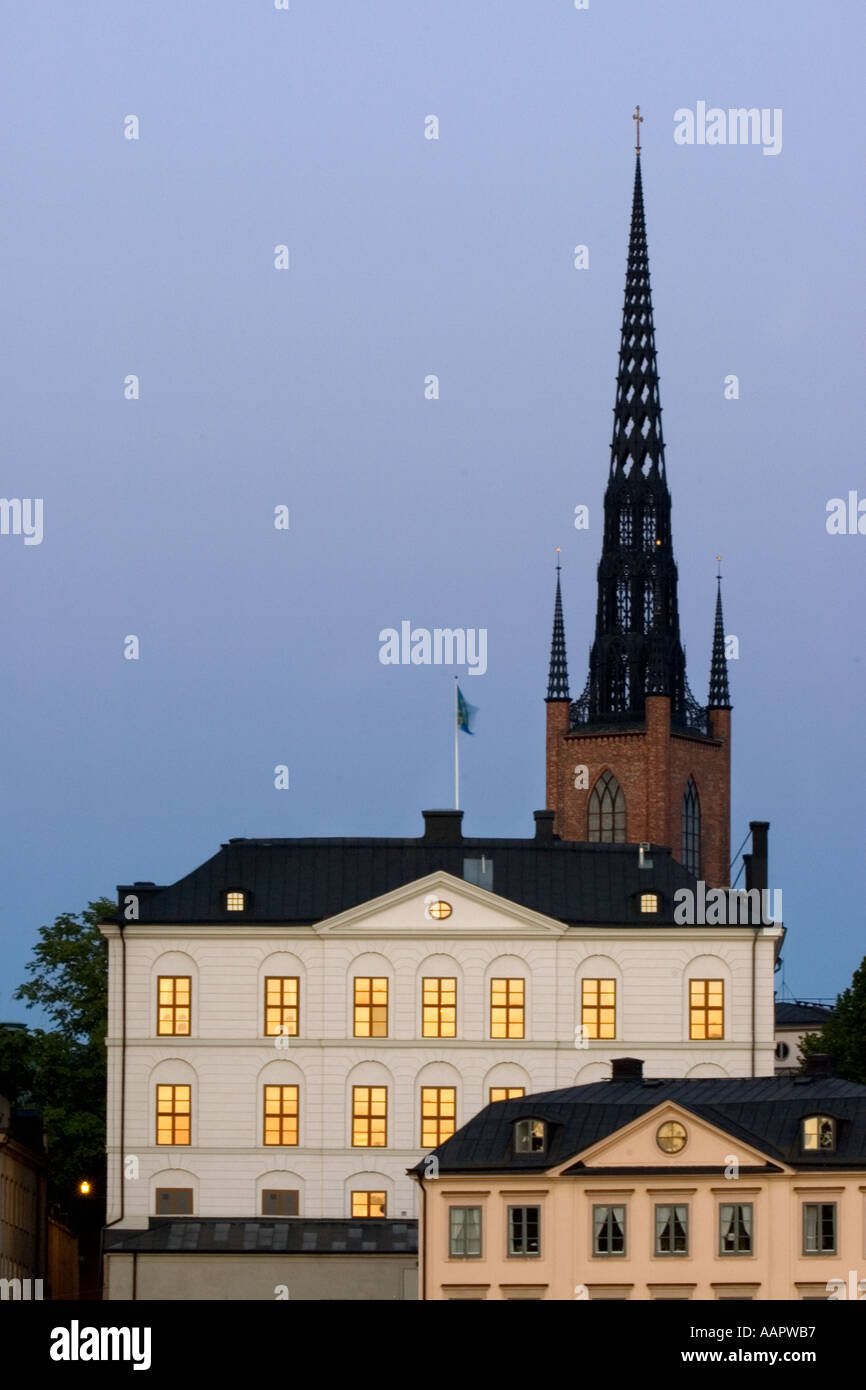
557	680
719	695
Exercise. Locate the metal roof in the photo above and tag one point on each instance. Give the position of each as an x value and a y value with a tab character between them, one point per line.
288	1235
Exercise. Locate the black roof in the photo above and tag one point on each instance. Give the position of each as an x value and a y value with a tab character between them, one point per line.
764	1112
290	1235
794	1013
307	880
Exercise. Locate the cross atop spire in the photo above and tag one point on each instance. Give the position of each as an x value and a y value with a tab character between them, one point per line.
638	119
557	681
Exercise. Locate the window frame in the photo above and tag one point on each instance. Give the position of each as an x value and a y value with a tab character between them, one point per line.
438	1118
673	1207
369	1193
525	1237
175	1191
507	1008
587	1008
817	1148
520	1092
367	1117
173	1006
609	1207
437	1006
283	980
822	1250
281	1192
174	1114
530	1120
705	1009
374	983
465	1254
281	1114
737	1207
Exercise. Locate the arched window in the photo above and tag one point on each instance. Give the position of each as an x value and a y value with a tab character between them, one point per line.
623	605
649	527
625	526
648	606
692	828
607	811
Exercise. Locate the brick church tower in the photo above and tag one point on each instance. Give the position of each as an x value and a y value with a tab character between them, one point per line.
636	758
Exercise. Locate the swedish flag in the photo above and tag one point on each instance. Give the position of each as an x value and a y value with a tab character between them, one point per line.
465	713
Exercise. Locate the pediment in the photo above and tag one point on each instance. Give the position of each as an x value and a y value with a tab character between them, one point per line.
707	1145
475	912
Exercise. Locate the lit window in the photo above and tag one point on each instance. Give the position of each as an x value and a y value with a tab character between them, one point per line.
507	1003
279	1201
235	902
671	1137
524	1230
672	1230
439	911
368	1204
530	1137
598	1008
174	1201
506	1093
608	1230
371	1007
706	1008
606	811
369	1117
735	1228
649	902
173	1010
172	1114
819	1132
281	1115
819	1228
281	1006
439	1007
464	1232
438	1114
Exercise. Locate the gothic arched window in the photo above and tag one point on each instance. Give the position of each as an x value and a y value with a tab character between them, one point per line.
625	526
692	828
606	815
648	606
623	605
649	527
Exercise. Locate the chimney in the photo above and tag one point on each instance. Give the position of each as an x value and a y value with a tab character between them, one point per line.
544	827
626	1069
747	862
443	827
819	1064
759	874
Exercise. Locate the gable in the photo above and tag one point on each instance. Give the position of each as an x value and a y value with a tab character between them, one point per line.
635	1145
474	912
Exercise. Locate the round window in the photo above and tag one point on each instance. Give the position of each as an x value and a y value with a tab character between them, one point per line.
440	911
671	1136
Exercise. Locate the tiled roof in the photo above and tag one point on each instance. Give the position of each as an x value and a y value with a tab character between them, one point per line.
290	1235
791	1014
764	1112
307	880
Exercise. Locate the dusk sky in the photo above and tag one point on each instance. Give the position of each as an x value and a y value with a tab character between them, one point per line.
260	387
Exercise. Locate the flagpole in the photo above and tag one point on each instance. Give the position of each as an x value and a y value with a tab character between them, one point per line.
456	751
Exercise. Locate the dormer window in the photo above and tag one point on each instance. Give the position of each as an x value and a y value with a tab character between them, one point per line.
818	1134
530	1137
236	901
649	902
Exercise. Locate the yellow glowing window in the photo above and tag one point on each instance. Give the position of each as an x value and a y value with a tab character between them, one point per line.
598	1008
671	1137
439	1008
507	1008
172	1015
438	1115
506	1093
440	911
281	1006
369	1117
234	902
649	902
706	1008
172	1114
371	1007
368	1204
281	1115
819	1132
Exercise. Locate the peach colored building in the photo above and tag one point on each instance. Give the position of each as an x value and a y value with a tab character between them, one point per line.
635	1188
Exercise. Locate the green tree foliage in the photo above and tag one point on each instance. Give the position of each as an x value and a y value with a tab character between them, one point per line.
844	1035
60	1070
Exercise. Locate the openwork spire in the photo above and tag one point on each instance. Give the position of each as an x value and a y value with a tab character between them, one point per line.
557	681
637	415
719	694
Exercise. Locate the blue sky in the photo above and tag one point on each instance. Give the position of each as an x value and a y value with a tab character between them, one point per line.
305	387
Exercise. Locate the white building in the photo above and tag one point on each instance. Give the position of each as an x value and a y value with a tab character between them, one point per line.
285	1058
